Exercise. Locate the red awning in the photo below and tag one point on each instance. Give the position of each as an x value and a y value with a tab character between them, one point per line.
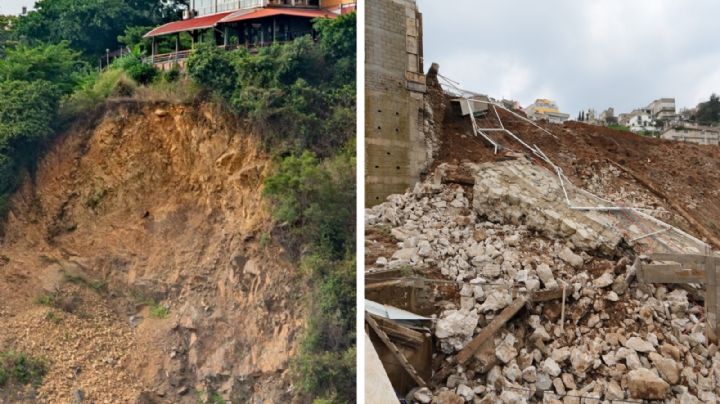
271	12
204	22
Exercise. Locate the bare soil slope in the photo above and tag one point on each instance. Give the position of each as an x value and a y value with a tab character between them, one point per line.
144	233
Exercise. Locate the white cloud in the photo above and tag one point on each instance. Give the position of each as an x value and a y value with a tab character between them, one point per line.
583	54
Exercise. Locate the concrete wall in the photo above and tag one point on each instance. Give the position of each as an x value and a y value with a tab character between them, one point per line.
693	136
394	101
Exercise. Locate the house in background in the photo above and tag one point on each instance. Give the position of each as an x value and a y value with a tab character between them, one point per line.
544	109
662	109
241	23
641	120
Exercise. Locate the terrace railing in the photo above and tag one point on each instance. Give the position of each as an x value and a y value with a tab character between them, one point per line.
164	58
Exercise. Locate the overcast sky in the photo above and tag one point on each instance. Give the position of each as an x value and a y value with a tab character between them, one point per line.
14	7
583	54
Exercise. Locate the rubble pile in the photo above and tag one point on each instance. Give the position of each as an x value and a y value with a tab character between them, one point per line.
620	339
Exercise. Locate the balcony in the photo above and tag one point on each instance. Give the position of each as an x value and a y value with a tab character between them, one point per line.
232	5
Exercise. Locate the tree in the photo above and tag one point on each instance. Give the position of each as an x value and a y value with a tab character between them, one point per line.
337	40
56	65
7	23
709	111
90	26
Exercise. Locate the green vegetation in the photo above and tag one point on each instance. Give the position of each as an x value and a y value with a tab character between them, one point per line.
300	97
94	285
17	368
91	26
619	127
47	299
159	311
51	316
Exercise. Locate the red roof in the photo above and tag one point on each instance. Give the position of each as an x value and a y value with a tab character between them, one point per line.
207	21
271	12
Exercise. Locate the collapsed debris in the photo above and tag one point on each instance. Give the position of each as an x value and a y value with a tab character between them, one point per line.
549	306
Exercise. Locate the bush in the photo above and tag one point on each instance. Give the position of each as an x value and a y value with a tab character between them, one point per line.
292	93
95	88
172	75
316	199
17	368
159	311
211	68
136	69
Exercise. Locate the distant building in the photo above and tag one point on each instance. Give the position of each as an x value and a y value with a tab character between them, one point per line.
587	116
693	133
547	110
607	117
641	120
662	109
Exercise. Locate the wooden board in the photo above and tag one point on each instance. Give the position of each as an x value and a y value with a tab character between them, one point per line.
670	273
394	350
487	332
396	331
695	260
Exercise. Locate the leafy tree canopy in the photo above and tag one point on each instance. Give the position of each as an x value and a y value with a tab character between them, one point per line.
91	26
57	65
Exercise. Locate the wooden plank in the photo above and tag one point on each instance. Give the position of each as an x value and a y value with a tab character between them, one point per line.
394	350
406	335
670	273
687	259
487	332
546	295
385	284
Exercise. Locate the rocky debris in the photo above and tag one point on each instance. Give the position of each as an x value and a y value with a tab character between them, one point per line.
571	258
448	397
620	339
422	395
455	329
646	385
639	345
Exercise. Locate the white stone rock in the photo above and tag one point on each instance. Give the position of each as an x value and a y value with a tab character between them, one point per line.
550	367
604	280
512	372
506	350
496	299
465	392
455	329
405	254
580	359
546	276
529	374
639	345
567	255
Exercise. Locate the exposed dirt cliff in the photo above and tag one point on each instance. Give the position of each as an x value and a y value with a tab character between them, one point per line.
138	262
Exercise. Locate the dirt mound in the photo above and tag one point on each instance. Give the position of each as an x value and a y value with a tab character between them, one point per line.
683	178
151	221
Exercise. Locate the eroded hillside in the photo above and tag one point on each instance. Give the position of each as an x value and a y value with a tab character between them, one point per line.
138	261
